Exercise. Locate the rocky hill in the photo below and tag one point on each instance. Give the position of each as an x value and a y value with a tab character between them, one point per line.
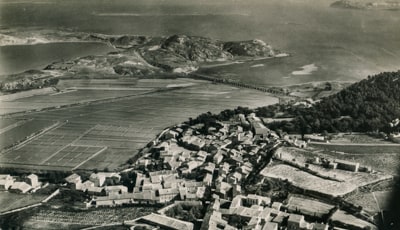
142	56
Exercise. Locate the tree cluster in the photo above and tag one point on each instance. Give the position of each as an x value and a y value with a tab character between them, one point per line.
369	105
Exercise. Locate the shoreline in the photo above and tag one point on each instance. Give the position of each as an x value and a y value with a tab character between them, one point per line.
241	61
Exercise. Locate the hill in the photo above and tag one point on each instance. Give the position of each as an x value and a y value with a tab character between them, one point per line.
142	56
367	5
369	105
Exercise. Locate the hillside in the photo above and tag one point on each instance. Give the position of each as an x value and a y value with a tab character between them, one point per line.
368	105
142	56
367	4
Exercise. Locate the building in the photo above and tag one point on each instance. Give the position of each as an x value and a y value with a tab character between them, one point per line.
117	189
164	222
32	180
193	142
270	226
74	181
296	222
253	199
318	226
86	185
313	137
217	159
347	165
276	205
97	191
97	179
6	181
167	195
214	221
208	179
20	187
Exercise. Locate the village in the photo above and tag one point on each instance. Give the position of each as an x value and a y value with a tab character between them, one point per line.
214	166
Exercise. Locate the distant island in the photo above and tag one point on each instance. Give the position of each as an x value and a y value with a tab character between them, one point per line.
367	5
135	56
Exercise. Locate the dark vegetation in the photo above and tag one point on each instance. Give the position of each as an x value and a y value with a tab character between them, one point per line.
186	212
367	106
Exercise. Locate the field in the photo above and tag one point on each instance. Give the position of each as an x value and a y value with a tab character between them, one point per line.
107	134
356	148
46	218
348	181
19	130
372	202
10	201
308	181
380	158
349	220
356	178
308	207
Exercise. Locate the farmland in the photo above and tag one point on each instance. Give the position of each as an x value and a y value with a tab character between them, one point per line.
308	207
345	219
10	201
308	181
19	130
106	134
358	148
50	218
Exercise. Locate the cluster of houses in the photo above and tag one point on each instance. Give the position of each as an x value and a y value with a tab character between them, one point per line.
158	187
258	212
27	184
98	184
202	163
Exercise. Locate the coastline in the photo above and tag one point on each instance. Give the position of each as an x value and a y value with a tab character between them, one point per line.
241	60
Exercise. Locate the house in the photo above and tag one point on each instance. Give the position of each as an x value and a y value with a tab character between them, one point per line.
146	197
167	195
97	179
347	165
276	205
117	189
208	179
193	142
20	187
74	181
270	226
254	224
296	222
214	221
224	189
210	167
190	166
164	222
313	137
218	157
318	226
235	178
32	180
170	134
87	184
6	181
97	191
192	193
112	200
253	199
201	156
280	218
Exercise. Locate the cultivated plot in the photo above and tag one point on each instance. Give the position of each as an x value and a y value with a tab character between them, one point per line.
122	126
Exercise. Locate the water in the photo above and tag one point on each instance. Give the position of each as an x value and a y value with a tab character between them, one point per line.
14	59
343	44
